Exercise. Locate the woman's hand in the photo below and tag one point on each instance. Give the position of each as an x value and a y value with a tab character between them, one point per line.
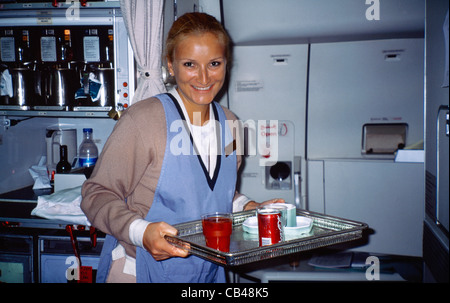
253	205
157	246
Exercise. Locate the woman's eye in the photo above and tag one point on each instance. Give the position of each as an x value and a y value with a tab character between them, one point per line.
216	63
188	64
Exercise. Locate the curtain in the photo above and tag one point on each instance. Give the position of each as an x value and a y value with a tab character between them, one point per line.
144	23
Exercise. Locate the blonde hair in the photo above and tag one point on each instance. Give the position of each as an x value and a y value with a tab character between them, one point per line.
195	23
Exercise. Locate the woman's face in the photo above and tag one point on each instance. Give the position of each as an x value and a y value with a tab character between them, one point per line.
199	67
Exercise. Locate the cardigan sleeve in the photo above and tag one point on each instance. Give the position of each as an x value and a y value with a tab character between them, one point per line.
118	171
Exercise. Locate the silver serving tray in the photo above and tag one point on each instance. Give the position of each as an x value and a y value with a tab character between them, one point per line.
244	247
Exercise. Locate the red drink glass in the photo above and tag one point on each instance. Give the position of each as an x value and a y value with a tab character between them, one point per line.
217	229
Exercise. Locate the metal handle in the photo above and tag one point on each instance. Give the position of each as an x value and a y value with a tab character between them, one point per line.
297	190
93	236
441	108
447	128
73	239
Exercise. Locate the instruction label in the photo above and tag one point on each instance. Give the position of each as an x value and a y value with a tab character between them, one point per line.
91	47
249	86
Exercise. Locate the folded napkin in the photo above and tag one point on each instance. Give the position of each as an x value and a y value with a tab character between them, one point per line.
63	205
40	175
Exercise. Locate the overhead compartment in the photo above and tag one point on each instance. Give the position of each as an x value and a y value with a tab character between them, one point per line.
365	98
263	22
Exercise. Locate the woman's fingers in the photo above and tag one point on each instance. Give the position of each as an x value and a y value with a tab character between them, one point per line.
253	205
155	243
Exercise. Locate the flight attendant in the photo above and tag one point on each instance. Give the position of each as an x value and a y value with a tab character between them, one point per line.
170	159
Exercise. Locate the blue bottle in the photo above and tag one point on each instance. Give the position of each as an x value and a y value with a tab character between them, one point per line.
88	152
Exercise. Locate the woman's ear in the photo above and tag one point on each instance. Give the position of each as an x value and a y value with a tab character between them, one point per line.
170	67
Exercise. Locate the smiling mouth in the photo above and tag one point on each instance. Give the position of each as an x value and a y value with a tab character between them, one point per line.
202	88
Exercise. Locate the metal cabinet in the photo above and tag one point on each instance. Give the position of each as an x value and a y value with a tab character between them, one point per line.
57	262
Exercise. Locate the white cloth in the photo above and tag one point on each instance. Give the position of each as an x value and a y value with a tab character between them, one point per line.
63	205
239	203
136	231
6	86
130	262
40	175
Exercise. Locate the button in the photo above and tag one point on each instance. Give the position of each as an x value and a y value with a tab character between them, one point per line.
125	84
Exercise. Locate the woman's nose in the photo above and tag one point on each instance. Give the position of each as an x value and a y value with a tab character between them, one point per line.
203	76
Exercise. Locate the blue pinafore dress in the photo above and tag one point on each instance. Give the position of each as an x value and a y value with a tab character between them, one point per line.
184	192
